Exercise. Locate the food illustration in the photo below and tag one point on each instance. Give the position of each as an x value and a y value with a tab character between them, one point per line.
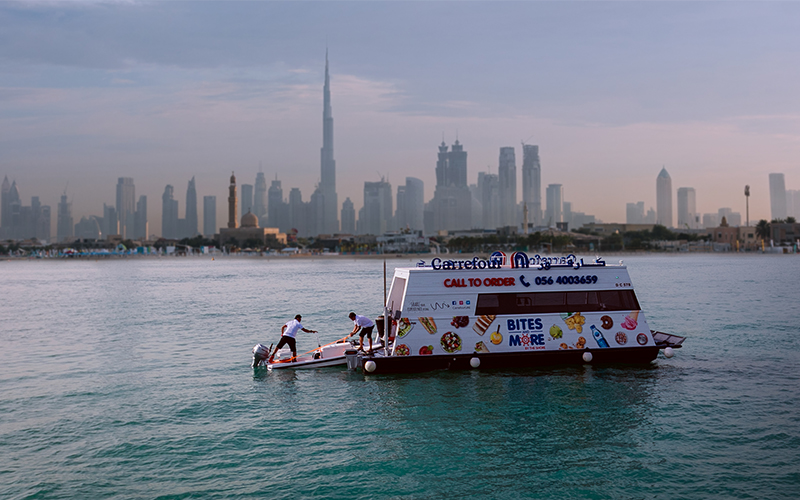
425	350
402	350
403	327
641	339
460	321
451	342
556	332
496	337
482	323
481	347
608	323
429	325
574	321
580	344
630	323
621	338
598	337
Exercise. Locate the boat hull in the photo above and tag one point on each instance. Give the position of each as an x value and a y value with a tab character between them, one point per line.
417	364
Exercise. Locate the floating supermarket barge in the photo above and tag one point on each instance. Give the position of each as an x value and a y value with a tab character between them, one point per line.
513	311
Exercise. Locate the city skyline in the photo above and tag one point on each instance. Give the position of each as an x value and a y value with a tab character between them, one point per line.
163	108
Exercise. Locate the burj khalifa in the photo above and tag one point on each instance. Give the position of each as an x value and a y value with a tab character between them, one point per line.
327	218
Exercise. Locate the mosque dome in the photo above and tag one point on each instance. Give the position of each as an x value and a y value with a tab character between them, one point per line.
249	220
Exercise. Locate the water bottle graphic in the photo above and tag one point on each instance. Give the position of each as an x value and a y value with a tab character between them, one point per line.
598	337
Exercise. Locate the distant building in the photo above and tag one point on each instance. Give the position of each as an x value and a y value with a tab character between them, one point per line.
250	231
710	221
687	208
209	216
247	198
348	217
190	223
410	205
141	227
260	197
126	206
793	203
507	177
88	228
555	208
325	199
232	214
664	198
777	196
110	221
634	213
64	227
532	183
375	217
733	219
451	206
489	195
169	214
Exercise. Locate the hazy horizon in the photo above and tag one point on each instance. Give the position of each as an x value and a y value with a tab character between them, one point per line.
610	92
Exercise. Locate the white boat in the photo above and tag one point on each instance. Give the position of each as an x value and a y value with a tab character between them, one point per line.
514	311
328	355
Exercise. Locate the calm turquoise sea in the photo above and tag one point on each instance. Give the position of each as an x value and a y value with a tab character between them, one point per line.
130	378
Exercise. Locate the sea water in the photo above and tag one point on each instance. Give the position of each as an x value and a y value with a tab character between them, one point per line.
131	378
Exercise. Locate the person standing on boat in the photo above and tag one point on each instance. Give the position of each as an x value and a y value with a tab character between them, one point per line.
365	325
288	332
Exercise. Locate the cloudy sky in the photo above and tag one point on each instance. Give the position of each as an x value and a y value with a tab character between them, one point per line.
611	92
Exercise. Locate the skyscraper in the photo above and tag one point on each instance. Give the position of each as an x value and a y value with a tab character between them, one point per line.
532	182
507	177
489	192
664	198
247	198
555	204
191	222
634	213
777	196
325	197
64	227
5	210
126	206
451	206
275	210
169	213
348	217
260	198
141	226
110	220
376	215
687	209
209	216
410	205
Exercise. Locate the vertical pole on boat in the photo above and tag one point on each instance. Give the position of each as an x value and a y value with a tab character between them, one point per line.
386	319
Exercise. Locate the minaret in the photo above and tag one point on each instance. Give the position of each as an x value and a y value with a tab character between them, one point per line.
232	203
327	185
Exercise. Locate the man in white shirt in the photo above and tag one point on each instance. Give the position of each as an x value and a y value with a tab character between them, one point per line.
288	332
366	326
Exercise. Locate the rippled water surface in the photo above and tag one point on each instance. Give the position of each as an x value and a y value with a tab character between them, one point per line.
131	379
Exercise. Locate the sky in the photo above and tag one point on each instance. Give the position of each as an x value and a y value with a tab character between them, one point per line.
611	92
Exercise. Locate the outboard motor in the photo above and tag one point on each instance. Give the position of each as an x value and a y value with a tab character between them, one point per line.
351	354
260	354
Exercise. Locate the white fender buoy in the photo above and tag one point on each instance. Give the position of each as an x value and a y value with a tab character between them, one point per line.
587	357
475	362
370	366
668	352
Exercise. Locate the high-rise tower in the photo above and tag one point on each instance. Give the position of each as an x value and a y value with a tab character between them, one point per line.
126	206
507	175
232	222
777	196
191	211
664	198
532	182
326	190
